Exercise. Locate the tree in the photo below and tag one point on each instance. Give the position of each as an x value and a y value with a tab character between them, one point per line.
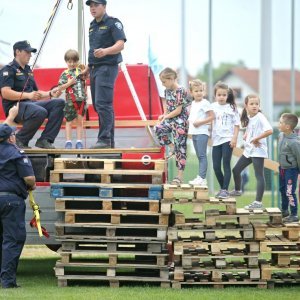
218	72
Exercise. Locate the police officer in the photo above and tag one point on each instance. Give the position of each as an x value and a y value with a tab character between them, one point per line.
107	38
17	84
16	177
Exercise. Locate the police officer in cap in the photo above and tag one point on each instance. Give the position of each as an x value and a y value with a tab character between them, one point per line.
107	38
16	178
17	84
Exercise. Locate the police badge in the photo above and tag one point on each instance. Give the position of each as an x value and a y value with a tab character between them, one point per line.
119	25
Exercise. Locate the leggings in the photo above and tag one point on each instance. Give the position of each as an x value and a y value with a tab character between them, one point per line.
258	164
168	132
223	151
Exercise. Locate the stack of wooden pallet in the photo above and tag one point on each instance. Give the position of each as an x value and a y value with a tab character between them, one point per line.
113	230
222	247
283	246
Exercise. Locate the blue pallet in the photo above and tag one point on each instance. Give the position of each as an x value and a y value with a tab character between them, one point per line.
152	192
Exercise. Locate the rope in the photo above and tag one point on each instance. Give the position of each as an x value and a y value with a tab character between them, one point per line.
47	29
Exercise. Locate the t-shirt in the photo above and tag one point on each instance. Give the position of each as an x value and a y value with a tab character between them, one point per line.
226	118
198	112
257	125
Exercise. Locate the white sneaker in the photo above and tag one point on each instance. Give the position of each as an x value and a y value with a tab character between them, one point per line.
198	181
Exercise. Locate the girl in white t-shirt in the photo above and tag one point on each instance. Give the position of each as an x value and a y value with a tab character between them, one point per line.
256	150
226	125
201	115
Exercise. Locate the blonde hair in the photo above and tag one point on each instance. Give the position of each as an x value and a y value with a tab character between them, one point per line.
168	73
196	83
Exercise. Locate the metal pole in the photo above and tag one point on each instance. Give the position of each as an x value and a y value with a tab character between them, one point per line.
183	75
210	82
266	72
293	88
80	30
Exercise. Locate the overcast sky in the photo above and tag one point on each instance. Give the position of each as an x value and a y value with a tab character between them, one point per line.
236	30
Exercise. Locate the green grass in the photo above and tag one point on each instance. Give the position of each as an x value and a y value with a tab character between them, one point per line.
36	276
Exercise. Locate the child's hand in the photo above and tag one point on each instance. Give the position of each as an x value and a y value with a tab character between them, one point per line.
256	142
245	136
161	118
56	92
232	143
197	123
71	81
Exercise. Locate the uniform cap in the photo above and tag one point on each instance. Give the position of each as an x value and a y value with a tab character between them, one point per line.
6	131
24	45
96	1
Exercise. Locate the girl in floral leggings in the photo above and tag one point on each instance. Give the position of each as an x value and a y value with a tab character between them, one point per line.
173	127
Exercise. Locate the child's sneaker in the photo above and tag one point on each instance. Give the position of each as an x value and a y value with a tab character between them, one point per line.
79	145
223	194
68	145
285	213
291	219
198	181
254	205
235	193
218	193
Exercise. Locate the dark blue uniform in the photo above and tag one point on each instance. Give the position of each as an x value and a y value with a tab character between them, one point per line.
103	73
31	113
14	166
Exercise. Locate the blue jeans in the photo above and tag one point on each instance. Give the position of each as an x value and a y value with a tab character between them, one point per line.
12	236
102	89
223	151
287	186
200	145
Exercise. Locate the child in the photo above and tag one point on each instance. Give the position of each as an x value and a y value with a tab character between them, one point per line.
201	115
256	149
226	125
289	161
173	127
75	107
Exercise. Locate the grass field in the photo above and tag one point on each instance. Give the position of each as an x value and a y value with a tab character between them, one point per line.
36	276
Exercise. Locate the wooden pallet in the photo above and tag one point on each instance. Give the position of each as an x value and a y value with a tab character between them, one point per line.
115	191
267	271
112	281
283	278
184	192
218	275
216	247
198	204
90	259
218	285
289	231
112	204
104	246
108	176
239	260
196	230
65	232
116	217
109	164
278	241
243	216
